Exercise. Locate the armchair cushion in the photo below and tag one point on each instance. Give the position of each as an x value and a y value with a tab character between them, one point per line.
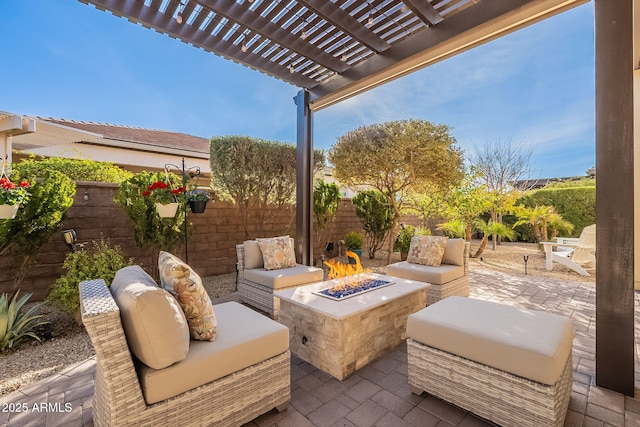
183	283
244	339
277	252
440	275
285	278
454	252
252	255
154	324
427	250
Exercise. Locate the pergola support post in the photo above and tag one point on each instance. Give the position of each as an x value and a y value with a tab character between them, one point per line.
5	148
614	195
304	179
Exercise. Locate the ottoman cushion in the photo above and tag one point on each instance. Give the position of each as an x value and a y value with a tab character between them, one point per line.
531	344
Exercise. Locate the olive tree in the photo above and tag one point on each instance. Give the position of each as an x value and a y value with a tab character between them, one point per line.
394	157
257	176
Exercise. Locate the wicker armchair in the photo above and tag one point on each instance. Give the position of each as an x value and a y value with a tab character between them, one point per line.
257	290
118	399
439	277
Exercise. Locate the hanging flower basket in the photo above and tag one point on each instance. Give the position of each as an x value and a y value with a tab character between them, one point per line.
167	210
197	206
8	211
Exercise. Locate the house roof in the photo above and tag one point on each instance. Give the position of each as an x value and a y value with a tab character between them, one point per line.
138	138
335	49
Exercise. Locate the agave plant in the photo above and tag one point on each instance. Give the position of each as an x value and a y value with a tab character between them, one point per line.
14	325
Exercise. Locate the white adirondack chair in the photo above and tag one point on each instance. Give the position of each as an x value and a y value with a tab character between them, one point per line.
579	256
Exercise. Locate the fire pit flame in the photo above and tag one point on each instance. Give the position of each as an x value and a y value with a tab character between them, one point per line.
352	279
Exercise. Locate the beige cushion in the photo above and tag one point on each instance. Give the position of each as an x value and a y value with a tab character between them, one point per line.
426	250
277	252
252	255
285	278
424	273
454	252
153	322
244	339
531	344
186	285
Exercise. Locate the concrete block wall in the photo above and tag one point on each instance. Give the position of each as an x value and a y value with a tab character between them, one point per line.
211	245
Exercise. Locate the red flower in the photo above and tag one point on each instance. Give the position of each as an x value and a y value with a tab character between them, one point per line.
25	184
146	193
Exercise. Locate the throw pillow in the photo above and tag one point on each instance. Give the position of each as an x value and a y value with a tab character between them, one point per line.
153	322
427	250
277	252
454	252
183	283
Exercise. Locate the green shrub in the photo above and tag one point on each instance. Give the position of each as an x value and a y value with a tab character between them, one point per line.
353	240
577	205
75	169
100	261
403	241
14	325
376	216
51	197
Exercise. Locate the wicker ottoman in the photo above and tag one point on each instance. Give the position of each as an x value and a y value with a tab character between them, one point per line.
509	365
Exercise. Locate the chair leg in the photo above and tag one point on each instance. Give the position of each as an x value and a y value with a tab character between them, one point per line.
282	407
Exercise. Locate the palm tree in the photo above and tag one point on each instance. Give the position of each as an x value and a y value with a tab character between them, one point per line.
540	218
491	229
455	227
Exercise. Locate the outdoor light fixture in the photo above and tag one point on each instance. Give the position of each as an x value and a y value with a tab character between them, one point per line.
291	69
243	47
402	225
180	9
70	238
85	196
525	257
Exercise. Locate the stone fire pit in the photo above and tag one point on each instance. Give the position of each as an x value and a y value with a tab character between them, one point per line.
342	335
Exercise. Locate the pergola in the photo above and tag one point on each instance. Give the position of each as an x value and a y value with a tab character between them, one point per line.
335	49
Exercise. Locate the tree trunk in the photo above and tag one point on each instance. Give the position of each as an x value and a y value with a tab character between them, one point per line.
536	232
483	244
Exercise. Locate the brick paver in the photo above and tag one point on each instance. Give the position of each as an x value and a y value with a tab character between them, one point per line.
377	394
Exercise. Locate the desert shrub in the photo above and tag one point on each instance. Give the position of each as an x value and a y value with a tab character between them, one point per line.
75	169
16	326
99	261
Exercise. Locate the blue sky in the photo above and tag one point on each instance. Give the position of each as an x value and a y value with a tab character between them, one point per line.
65	59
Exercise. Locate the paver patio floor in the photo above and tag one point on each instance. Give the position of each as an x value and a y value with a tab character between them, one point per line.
378	394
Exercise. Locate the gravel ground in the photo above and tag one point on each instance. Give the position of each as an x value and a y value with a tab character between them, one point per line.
65	342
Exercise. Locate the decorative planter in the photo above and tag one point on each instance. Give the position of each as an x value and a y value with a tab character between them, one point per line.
168	210
404	255
357	252
8	211
197	206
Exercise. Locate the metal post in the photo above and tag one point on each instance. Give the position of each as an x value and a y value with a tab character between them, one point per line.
191	172
304	179
614	195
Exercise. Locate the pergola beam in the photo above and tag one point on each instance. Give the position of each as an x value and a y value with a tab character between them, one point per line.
467	29
249	19
347	24
423	10
165	23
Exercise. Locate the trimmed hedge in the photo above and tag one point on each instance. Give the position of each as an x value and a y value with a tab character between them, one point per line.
577	205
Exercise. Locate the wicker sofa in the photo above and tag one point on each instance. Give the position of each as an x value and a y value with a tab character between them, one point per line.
510	365
448	279
226	382
256	285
